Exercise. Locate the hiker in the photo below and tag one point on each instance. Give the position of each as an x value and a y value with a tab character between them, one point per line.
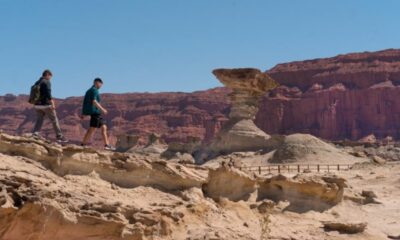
45	106
93	108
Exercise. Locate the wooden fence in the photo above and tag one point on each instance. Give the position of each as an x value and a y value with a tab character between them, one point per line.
297	168
293	168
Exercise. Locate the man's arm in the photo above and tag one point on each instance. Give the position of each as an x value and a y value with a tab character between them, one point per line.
53	104
98	105
47	92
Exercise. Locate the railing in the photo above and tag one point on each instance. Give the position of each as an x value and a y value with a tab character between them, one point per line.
292	168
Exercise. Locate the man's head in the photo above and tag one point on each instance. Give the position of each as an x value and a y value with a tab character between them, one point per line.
47	74
98	83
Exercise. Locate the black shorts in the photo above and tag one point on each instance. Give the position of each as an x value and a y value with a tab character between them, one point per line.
96	121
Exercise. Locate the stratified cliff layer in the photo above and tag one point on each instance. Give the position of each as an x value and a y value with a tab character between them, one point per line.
347	96
175	116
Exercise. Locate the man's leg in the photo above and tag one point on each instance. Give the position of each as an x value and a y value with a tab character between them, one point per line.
39	121
104	134
88	135
54	120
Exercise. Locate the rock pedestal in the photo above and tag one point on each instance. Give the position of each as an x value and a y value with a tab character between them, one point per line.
240	133
126	142
248	86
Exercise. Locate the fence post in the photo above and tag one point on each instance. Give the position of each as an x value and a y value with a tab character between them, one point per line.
318	167
298	168
279	168
338	167
328	167
259	169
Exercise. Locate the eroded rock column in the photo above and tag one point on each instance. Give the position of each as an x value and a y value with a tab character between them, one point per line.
240	133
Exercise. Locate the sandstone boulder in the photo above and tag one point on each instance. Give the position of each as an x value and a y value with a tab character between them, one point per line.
305	148
378	160
126	142
368	139
348	228
303	192
155	145
230	183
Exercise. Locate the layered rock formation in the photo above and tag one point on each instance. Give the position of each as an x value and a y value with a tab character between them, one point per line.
240	133
48	191
177	117
52	192
348	96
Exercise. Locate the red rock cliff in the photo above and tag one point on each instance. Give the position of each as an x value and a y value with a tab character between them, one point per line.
347	96
175	116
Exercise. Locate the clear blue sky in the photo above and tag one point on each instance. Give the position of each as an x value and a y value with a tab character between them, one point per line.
160	45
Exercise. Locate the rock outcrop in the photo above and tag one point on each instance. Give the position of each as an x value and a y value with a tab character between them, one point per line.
129	170
344	97
124	170
305	148
230	183
240	133
35	203
349	228
68	192
304	193
126	142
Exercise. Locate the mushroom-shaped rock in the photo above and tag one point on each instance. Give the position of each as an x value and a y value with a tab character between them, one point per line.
248	86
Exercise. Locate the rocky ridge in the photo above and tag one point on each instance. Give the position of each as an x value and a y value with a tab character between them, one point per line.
49	191
71	192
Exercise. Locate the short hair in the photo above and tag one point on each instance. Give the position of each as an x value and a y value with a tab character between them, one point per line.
98	80
47	72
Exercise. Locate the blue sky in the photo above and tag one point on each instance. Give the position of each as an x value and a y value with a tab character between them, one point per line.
159	45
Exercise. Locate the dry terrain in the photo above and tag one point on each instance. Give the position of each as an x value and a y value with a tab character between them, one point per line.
54	192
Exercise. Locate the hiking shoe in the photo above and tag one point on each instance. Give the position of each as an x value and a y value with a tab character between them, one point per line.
36	135
109	147
62	140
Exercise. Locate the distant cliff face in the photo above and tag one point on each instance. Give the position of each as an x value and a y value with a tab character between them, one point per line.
176	116
347	96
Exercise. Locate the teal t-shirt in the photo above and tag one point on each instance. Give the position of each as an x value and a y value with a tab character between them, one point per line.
88	107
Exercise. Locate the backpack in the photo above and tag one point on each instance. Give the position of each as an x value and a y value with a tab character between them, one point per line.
34	96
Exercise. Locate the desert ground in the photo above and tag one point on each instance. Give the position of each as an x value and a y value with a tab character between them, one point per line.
69	192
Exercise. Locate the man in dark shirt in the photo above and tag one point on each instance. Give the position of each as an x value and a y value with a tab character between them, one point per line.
46	107
93	108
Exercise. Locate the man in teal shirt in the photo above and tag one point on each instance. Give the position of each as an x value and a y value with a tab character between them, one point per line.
93	108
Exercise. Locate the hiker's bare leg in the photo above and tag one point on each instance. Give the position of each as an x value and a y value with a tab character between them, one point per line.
104	133
88	135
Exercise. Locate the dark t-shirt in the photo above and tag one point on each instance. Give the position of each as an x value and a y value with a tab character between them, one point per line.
45	92
88	107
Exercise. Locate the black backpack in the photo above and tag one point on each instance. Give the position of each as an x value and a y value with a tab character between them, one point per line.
34	96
